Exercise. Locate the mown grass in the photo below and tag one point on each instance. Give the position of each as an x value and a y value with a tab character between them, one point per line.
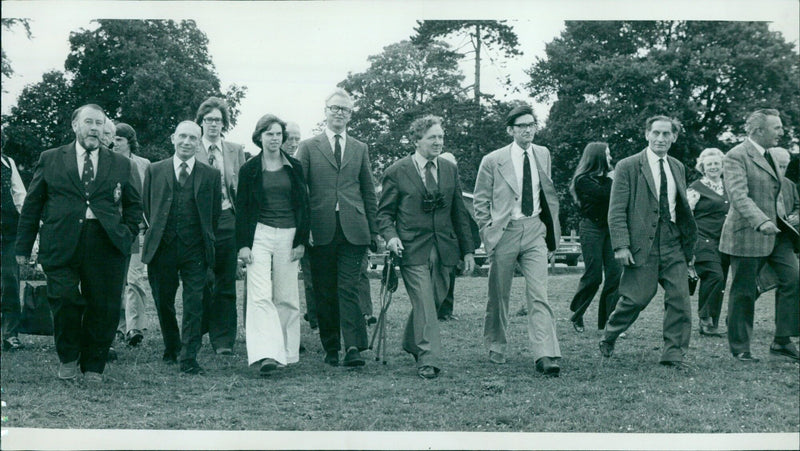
628	393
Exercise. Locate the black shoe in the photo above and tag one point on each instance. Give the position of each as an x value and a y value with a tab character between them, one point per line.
12	344
606	348
788	350
302	348
523	311
170	357
745	357
332	358
677	364
577	324
112	355
448	317
353	357
190	366
134	337
427	372
267	366
370	320
312	324
548	367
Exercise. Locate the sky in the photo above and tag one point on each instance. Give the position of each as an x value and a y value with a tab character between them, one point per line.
291	55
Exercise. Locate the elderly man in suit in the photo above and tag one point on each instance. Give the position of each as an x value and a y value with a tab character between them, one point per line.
516	209
219	296
653	235
89	207
423	219
343	207
756	233
182	201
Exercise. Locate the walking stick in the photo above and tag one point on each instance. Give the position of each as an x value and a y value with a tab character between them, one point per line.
388	286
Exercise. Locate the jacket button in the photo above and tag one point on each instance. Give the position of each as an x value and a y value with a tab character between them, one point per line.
80	221
87	202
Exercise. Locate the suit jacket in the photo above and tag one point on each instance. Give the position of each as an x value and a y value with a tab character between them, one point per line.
752	187
233	157
56	196
400	214
633	208
251	199
496	189
159	185
351	185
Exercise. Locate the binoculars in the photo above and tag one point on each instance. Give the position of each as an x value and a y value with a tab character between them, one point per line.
432	201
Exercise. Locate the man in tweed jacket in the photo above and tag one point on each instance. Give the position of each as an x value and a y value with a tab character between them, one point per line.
755	234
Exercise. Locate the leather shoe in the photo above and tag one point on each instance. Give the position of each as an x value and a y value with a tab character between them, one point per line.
548	367
224	351
427	372
134	337
606	348
332	358
68	371
745	357
370	320
497	358
268	365
170	357
12	344
677	364
353	357
92	378
577	324
190	366
788	350
112	355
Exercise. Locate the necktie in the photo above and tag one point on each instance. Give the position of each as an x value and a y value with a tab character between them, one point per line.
212	155
183	174
527	186
430	182
337	150
88	170
663	201
780	208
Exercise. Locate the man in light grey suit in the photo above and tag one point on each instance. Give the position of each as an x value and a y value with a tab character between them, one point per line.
219	296
516	209
343	207
653	234
756	233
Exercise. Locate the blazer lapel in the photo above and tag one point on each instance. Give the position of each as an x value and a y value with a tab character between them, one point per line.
202	153
70	161
760	160
197	182
506	169
648	174
348	154
413	175
103	166
324	147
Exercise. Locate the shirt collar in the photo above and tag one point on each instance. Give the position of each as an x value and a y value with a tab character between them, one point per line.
330	134
515	148
207	144
176	163
79	149
422	161
652	158
758	146
285	161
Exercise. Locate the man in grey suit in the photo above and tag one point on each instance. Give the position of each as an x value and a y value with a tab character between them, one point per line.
653	234
219	295
423	219
756	233
343	207
516	208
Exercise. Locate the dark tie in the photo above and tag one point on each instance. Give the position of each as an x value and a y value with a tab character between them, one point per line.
527	186
337	150
430	182
663	201
771	162
88	171
183	174
212	152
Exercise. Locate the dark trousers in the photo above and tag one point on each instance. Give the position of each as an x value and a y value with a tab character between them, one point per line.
174	260
9	305
85	297
364	294
336	268
598	259
665	265
308	285
741	303
447	304
713	275
219	294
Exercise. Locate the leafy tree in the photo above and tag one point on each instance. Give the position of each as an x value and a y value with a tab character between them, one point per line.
8	24
609	76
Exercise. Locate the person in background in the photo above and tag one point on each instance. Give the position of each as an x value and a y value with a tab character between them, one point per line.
271	235
13	196
709	203
591	189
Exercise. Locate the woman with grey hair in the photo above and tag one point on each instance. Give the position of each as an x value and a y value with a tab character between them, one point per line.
709	203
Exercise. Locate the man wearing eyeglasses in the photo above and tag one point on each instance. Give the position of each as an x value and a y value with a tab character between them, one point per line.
343	207
219	296
516	209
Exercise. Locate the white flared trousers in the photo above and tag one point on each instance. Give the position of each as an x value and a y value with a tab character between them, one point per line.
273	301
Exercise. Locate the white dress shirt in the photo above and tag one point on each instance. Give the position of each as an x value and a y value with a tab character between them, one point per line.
80	153
219	164
330	134
176	164
518	160
652	160
18	191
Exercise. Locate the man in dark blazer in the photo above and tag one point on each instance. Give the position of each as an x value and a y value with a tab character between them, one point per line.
423	219
343	207
90	209
756	233
653	235
182	204
219	296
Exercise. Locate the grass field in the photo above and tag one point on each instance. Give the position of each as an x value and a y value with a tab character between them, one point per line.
628	393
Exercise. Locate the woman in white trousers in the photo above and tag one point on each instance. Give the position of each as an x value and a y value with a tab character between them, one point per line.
271	234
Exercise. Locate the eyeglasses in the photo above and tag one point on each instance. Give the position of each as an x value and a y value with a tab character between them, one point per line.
212	120
526	125
340	109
